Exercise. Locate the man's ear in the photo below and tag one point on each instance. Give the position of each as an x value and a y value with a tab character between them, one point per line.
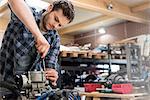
50	7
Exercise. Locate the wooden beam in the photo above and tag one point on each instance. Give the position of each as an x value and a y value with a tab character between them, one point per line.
141	7
85	24
3	10
119	10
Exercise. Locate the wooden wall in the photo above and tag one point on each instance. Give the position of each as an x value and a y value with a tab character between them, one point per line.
137	29
67	39
114	33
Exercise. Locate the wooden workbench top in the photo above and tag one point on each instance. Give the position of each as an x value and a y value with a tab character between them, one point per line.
112	95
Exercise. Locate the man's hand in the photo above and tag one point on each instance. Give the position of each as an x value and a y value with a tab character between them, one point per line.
52	75
42	45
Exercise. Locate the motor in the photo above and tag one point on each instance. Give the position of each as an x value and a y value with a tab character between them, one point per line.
33	83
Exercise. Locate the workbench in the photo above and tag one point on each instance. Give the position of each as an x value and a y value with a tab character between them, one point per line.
98	96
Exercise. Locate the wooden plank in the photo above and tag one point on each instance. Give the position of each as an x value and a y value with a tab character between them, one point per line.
95	55
74	54
141	7
103	55
96	99
90	54
69	54
113	95
81	54
63	54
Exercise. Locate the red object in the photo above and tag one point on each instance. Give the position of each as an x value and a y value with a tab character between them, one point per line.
122	88
91	87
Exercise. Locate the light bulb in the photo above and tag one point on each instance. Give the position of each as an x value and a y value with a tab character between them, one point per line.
102	30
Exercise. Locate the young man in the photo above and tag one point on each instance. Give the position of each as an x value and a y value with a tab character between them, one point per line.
32	35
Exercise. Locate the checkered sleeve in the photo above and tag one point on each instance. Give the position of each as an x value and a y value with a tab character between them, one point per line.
52	56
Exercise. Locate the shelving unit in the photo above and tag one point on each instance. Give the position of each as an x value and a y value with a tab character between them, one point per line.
94	61
74	58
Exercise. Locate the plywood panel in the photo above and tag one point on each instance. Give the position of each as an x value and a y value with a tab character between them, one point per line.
137	29
113	34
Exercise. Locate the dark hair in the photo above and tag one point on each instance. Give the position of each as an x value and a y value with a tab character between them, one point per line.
66	6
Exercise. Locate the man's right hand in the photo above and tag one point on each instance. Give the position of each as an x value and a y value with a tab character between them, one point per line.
42	45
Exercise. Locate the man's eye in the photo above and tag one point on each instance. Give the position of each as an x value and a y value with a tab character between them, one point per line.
56	19
59	25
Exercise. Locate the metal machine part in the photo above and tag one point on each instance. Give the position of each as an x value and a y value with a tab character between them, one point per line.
35	86
33	83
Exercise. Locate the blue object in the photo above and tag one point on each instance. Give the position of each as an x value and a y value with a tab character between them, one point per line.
45	95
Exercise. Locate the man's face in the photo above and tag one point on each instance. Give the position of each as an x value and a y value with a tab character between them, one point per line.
55	20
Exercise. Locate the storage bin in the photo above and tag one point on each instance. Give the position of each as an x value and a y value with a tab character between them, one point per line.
124	88
91	87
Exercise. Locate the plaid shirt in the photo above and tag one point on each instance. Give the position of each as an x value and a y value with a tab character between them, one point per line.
18	47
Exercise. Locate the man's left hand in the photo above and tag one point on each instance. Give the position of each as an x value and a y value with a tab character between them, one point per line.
52	75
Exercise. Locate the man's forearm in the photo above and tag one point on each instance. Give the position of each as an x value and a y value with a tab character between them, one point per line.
23	12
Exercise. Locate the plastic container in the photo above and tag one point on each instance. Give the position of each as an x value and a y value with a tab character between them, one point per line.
91	87
124	88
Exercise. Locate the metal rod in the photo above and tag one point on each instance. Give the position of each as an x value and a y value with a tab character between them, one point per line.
43	63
